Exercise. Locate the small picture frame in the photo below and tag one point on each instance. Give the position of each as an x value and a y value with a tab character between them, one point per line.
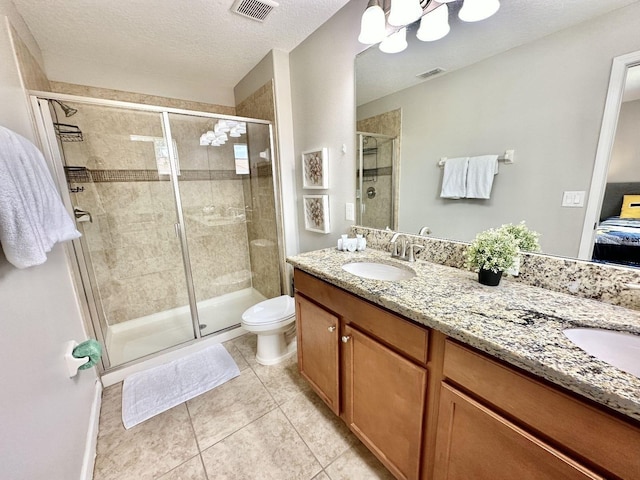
316	213
315	169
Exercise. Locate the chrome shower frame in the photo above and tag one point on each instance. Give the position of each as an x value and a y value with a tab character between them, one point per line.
47	138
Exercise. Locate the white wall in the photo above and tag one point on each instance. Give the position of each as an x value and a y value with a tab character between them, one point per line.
544	99
44	415
322	89
625	155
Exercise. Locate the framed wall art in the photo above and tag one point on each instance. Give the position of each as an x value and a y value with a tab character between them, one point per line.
315	169
316	213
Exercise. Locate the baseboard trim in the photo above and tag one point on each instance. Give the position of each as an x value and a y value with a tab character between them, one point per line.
89	458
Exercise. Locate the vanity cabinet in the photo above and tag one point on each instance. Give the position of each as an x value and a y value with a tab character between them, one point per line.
502	423
384	401
432	408
377	388
318	350
475	442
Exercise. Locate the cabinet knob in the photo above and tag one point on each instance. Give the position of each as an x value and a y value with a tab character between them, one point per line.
332	328
346	338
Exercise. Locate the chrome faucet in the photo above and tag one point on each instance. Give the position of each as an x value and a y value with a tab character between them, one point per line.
411	257
424	231
395	243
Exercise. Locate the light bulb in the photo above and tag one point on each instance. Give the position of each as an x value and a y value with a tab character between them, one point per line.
476	10
434	25
396	42
404	12
372	25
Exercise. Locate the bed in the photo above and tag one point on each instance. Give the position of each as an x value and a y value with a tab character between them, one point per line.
618	232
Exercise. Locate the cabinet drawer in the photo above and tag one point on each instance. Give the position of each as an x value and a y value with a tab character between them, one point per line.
401	334
587	432
476	443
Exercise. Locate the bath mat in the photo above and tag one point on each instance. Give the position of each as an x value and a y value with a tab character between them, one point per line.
153	391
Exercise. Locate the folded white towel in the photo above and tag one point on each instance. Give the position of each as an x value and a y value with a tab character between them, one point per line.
32	215
454	179
480	175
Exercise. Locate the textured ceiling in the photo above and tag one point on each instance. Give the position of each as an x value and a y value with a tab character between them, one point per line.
194	39
517	22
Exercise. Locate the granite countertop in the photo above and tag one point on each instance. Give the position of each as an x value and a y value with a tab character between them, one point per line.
517	323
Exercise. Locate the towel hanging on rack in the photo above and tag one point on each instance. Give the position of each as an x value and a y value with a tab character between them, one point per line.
32	215
480	175
454	179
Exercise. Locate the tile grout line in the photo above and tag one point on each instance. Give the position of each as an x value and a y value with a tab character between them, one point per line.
302	438
195	437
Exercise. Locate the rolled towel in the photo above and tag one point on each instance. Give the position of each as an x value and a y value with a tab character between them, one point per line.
454	179
480	175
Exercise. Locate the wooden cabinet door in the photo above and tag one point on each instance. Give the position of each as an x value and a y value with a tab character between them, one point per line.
318	350
384	402
475	442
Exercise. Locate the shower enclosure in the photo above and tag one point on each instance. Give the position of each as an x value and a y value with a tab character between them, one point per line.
179	217
376	177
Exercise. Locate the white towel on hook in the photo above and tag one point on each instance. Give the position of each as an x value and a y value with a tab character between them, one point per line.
32	215
454	179
480	175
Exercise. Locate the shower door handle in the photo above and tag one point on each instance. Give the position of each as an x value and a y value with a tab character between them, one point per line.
176	226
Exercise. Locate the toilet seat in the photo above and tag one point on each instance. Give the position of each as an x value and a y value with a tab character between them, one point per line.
267	312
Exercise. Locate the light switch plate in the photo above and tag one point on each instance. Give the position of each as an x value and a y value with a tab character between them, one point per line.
350	212
574	199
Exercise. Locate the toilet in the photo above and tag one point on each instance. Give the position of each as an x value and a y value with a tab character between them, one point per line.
270	320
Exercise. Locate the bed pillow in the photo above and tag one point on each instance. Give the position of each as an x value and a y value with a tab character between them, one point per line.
630	206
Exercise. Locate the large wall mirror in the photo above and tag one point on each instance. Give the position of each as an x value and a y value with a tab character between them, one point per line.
534	78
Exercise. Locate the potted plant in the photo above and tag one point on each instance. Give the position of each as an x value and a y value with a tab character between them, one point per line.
492	252
527	242
527	239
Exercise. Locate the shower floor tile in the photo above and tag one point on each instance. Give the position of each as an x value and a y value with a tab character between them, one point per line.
264	424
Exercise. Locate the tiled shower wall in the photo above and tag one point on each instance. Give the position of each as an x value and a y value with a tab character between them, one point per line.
134	251
260	196
378	174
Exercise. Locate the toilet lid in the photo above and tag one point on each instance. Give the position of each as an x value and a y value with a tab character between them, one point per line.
270	311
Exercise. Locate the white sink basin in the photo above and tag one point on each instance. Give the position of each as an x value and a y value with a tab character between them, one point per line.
379	271
619	349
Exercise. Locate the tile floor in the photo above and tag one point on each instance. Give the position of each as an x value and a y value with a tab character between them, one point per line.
265	424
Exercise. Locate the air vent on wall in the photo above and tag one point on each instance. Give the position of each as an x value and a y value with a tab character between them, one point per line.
431	73
254	9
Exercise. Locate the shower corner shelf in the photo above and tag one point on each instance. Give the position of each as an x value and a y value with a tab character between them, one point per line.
68	133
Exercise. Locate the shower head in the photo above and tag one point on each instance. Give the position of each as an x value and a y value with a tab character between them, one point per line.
68	111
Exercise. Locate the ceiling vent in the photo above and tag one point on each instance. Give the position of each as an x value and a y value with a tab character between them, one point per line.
254	9
431	73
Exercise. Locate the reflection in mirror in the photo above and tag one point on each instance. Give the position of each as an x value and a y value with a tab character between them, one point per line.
375	175
541	95
377	170
617	238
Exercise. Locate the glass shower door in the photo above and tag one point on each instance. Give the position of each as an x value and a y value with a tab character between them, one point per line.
118	173
227	196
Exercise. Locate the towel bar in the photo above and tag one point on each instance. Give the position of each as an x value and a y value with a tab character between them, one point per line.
507	158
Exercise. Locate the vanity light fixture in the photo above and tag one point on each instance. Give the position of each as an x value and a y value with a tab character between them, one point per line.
373	25
434	24
396	42
221	132
476	10
404	12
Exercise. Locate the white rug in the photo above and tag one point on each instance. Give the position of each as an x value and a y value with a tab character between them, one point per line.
148	393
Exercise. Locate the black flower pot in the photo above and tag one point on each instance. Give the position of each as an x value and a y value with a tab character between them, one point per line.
489	277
